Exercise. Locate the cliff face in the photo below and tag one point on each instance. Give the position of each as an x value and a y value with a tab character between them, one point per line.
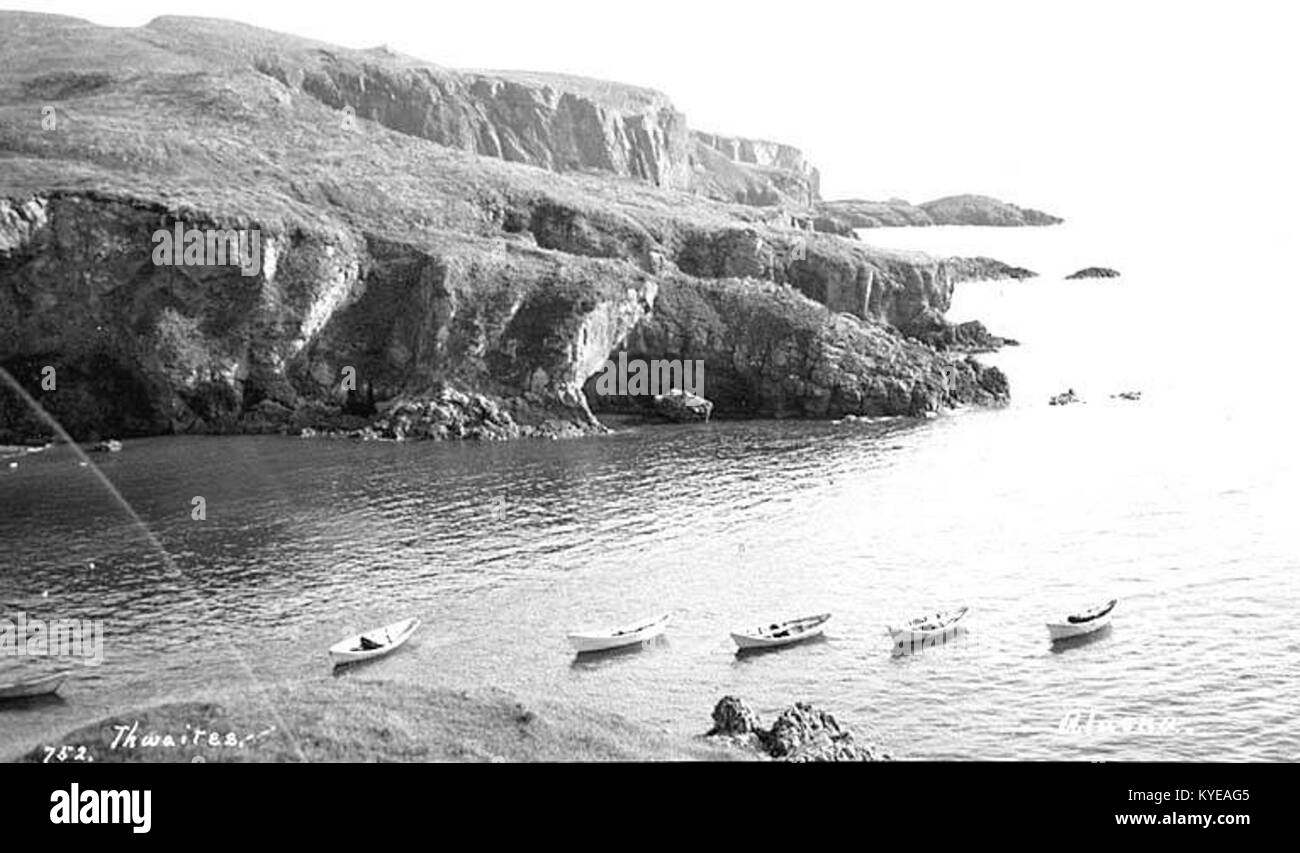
552	121
642	136
142	349
769	352
751	171
451	285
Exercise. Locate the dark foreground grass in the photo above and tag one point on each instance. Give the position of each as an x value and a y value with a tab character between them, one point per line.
342	719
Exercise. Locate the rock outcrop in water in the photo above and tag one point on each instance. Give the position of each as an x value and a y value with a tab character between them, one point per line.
406	286
970	337
1093	272
801	733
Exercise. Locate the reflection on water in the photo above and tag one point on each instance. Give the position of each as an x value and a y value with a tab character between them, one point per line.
597	660
1064	645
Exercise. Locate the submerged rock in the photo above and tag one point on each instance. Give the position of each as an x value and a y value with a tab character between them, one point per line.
1127	395
801	733
1093	272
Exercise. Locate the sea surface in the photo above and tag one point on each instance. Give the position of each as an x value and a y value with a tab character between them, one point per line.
1182	505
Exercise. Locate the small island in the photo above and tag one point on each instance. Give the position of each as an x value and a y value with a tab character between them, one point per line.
1093	272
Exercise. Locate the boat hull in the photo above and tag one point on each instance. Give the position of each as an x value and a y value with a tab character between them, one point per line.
780	634
398	633
599	641
912	639
749	641
1066	630
36	687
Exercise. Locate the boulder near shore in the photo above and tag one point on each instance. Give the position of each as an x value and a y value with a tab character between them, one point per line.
800	733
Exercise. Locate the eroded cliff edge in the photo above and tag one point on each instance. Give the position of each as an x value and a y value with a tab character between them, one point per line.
491	288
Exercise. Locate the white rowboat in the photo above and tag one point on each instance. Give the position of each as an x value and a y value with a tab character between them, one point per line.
42	686
1078	624
782	633
616	638
930	628
384	640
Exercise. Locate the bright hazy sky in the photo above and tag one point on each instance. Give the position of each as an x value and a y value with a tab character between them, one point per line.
1064	107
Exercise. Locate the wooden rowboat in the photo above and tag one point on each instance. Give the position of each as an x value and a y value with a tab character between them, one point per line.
1086	622
926	630
604	639
42	686
782	633
373	644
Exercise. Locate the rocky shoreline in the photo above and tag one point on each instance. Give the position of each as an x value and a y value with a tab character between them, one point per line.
354	720
430	267
800	734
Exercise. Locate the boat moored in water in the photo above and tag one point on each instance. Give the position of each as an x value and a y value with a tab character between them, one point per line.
1085	622
782	633
26	688
604	639
374	643
929	629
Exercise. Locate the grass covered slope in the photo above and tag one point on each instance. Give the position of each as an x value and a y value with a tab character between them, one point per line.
344	719
417	264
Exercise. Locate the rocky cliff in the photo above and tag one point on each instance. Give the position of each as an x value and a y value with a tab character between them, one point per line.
439	281
557	122
751	171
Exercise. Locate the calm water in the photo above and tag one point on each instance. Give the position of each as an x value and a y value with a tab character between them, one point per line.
1182	505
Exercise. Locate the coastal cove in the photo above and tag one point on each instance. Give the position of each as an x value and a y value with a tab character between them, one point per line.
504	547
344	395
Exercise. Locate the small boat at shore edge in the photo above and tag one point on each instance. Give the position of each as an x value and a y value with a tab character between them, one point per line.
604	639
1086	622
374	643
42	686
782	633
